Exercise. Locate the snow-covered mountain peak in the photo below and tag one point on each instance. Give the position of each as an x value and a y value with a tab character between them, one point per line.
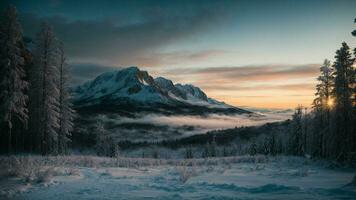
134	86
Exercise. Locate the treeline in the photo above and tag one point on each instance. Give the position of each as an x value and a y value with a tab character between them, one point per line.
35	111
329	131
267	139
220	137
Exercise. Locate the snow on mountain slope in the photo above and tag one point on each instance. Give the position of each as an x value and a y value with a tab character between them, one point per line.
129	83
131	90
133	86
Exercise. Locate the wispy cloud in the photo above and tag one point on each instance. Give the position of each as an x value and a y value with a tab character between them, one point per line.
82	72
122	42
233	87
259	85
262	72
176	57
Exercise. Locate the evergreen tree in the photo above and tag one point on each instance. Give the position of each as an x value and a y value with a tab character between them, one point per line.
353	100
272	144
354	32
13	85
296	139
66	113
105	145
253	149
44	85
225	152
354	85
321	107
101	140
344	83
213	148
189	153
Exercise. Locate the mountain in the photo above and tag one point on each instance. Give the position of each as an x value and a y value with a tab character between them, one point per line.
132	90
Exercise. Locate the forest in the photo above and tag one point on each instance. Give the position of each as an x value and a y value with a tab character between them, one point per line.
37	115
214	117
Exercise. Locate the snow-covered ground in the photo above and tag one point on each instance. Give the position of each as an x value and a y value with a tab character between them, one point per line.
234	178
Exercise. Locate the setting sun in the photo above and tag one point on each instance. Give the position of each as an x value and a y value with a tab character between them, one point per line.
330	102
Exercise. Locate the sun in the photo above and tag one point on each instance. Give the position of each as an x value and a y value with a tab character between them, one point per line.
330	103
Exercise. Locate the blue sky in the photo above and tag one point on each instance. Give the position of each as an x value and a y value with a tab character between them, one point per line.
170	37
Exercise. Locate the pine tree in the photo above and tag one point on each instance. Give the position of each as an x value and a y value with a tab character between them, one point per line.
353	80
296	139
343	82
213	148
321	107
105	145
354	32
66	114
12	74
189	153
101	145
45	77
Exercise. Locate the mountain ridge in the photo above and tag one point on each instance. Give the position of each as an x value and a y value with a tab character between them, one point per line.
136	88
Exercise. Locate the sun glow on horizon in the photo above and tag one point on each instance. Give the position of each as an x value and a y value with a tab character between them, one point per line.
330	102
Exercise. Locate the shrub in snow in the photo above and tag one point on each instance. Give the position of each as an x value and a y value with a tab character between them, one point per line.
29	169
73	172
45	175
185	172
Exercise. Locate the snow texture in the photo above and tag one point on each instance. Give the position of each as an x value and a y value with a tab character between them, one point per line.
139	86
274	178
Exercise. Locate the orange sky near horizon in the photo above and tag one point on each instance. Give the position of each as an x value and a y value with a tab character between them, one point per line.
278	102
263	54
264	86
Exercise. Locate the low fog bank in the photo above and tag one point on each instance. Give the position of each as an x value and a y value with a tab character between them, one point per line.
202	123
152	127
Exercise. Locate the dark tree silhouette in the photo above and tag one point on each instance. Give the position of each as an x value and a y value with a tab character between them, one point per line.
354	32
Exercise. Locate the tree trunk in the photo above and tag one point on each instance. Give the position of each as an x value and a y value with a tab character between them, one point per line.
23	145
16	146
9	141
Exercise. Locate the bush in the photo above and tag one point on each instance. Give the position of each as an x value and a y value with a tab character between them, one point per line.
185	172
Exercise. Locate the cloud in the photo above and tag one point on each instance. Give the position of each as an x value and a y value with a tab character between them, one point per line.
177	57
263	72
82	72
259	85
263	77
233	87
121	42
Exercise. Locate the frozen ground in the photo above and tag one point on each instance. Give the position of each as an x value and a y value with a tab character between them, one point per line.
273	178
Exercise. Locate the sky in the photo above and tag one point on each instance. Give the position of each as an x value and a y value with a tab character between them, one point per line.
252	53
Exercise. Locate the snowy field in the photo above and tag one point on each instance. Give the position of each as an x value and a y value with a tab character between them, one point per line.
216	178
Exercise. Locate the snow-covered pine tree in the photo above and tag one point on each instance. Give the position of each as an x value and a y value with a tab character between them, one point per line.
322	105
45	77
100	138
13	99
66	115
343	83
